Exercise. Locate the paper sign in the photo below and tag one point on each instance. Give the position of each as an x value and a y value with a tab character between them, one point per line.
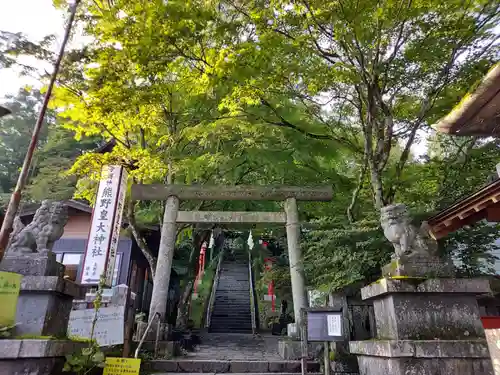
100	254
122	366
108	329
334	325
10	284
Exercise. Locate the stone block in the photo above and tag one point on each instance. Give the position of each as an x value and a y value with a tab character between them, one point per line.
285	367
203	366
165	348
291	350
35	357
426	357
411	366
32	265
42	313
56	284
151	335
344	362
424	266
249	367
462	286
427	317
32	366
160	365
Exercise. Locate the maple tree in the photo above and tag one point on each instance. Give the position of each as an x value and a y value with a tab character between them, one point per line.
307	92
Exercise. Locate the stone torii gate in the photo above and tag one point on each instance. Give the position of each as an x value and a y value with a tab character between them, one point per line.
174	193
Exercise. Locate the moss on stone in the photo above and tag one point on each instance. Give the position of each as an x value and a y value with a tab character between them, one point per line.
79	339
35	337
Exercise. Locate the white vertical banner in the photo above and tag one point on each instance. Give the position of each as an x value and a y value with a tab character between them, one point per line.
100	254
117	225
250	240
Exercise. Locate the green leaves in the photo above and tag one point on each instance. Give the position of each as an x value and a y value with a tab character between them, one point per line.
339	254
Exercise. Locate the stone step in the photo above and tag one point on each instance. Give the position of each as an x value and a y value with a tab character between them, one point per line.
233	367
226	330
230	324
225	321
232	313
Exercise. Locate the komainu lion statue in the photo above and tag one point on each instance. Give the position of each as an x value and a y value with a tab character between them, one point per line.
406	238
44	230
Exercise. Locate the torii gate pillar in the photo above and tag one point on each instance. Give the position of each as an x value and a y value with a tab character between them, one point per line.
297	278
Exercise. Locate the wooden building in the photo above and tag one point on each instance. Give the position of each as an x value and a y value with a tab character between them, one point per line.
478	114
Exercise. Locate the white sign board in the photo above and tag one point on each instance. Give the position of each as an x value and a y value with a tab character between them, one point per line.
109	327
334	325
115	237
104	234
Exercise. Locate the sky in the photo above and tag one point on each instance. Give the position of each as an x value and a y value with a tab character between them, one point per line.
35	19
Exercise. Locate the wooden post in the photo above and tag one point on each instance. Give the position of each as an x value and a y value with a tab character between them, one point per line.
129	314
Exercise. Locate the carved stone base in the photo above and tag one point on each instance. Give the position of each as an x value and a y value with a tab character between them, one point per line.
434	357
420	266
425	327
44	305
427	309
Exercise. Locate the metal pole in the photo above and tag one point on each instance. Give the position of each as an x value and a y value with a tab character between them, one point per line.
326	357
15	198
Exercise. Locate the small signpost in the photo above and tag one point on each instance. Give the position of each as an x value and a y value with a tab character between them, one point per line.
122	366
109	327
321	324
10	284
100	255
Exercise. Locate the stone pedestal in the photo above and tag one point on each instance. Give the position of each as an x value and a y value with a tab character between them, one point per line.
292	349
151	335
35	357
45	298
43	309
425	326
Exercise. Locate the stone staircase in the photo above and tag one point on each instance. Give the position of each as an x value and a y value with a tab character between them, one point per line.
166	367
232	354
231	311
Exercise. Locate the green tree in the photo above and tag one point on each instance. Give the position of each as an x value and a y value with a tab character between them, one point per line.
14	45
53	161
386	70
305	92
15	135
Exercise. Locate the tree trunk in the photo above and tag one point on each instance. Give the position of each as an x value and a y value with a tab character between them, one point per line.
182	309
140	239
